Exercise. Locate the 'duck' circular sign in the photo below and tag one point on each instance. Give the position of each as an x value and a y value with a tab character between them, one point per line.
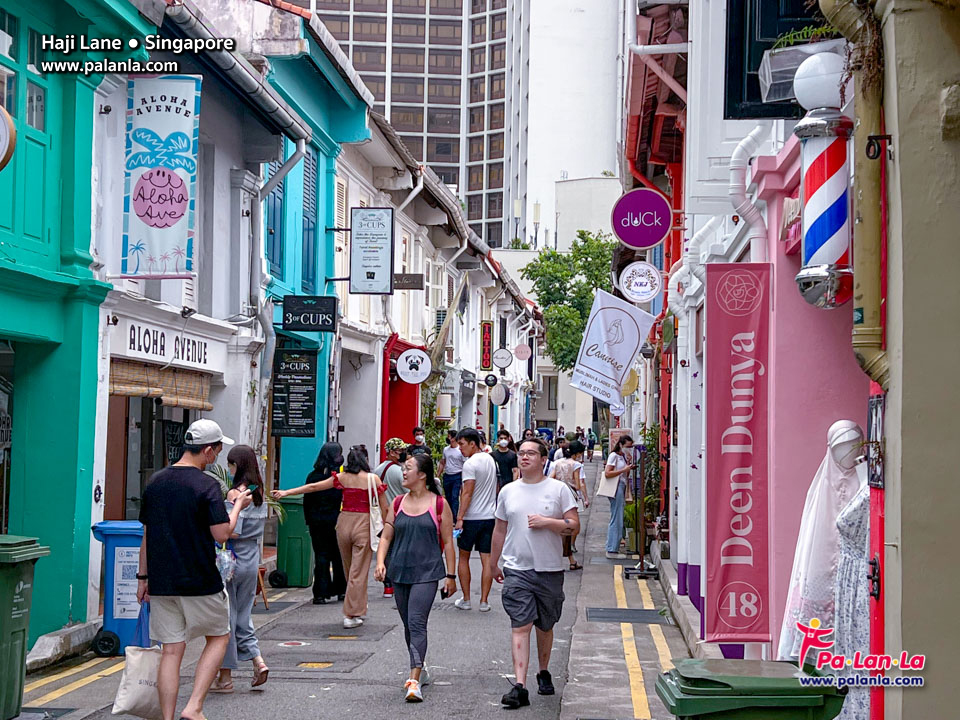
642	218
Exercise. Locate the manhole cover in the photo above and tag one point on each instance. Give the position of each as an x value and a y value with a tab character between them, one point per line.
313	665
305	660
625	615
313	630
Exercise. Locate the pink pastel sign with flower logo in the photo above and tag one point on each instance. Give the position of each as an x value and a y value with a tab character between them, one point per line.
737	602
160	182
642	218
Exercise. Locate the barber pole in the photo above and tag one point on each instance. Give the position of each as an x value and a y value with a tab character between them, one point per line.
826	279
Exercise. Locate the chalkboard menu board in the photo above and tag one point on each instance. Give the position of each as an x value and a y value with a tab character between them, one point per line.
173	432
294	393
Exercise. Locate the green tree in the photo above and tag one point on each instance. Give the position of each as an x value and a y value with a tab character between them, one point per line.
565	284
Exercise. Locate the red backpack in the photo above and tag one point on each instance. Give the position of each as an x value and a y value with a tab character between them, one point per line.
436	515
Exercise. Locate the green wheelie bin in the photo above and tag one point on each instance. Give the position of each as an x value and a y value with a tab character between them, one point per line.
745	690
294	549
17	557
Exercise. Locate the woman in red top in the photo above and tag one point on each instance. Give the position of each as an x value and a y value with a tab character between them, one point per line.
353	527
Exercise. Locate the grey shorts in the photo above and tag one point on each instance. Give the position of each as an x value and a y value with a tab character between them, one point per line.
533	597
180	618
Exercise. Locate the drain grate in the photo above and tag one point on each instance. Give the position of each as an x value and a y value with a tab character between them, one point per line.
275	606
625	615
306	660
29	713
314	630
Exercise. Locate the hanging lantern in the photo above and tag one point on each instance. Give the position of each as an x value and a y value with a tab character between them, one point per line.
826	278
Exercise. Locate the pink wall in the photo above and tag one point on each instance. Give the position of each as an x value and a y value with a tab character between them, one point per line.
815	379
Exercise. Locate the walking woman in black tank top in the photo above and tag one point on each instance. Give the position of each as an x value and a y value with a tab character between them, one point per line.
419	527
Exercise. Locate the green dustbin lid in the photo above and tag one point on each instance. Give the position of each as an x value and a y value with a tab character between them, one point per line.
742	677
16	548
292	500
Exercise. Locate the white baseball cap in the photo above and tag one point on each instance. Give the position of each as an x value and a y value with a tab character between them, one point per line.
205	432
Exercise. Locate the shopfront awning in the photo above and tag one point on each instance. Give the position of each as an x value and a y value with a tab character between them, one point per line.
175	387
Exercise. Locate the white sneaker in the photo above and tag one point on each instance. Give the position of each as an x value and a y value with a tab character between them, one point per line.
613	556
484	607
463	604
425	678
349	622
413	691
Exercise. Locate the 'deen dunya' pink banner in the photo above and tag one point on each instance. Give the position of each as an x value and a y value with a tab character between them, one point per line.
738	325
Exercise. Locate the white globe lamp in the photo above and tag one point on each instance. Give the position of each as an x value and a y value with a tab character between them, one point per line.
818	80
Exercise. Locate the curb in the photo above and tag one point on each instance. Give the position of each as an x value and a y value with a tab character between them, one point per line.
75	640
685	614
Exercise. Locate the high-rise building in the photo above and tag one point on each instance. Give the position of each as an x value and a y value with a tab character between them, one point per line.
439	72
455	78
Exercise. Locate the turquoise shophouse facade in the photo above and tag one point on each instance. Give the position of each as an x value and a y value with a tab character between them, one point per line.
49	297
321	85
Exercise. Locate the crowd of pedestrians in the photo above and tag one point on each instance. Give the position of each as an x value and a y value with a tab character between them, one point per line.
517	505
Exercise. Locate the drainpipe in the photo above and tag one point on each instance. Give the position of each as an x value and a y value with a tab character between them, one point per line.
677	275
413	193
739	162
691	256
854	22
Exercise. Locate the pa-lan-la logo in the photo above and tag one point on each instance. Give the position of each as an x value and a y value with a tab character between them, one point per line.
817	638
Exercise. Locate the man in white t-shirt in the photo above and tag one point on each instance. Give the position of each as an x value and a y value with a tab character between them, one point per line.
475	516
532	516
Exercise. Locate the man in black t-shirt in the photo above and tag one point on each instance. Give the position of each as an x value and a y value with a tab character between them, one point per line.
419	447
506	459
183	513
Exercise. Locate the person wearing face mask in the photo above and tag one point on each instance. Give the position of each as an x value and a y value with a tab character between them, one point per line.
505	456
419	446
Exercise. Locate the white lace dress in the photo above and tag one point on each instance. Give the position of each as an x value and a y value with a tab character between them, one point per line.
852	602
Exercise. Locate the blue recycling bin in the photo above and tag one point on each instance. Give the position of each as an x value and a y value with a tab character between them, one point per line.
121	557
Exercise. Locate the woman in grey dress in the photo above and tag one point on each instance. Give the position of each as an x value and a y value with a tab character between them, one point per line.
242	588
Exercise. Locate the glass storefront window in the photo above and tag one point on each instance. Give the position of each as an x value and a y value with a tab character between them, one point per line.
8	90
8	35
35	53
36	101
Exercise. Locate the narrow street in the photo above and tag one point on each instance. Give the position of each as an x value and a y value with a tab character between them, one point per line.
602	669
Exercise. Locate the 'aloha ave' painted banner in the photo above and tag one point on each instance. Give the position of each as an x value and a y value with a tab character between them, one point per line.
737	387
160	179
612	339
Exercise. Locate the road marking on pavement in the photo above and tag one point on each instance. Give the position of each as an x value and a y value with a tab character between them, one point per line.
30	687
315	665
638	691
663	650
645	595
77	684
279	595
342	637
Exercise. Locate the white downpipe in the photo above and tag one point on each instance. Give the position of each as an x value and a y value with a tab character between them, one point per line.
739	163
674	299
664	49
413	193
691	255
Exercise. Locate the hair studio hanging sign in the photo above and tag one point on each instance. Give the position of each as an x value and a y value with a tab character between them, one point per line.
738	591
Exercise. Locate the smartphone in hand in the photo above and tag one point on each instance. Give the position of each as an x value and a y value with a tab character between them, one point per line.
443	593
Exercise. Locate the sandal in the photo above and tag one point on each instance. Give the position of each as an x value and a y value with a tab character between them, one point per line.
576	566
260	672
223	688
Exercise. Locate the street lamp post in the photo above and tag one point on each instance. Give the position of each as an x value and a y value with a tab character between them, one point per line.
536	223
517	213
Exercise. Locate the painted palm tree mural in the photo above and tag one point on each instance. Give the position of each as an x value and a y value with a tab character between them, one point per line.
161	197
178	254
137	250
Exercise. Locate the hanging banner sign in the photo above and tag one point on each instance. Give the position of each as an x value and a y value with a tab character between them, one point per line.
413	366
642	218
486	345
160	176
611	342
294	393
371	251
640	282
737	387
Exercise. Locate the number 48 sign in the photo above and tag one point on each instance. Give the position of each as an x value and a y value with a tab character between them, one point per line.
739	605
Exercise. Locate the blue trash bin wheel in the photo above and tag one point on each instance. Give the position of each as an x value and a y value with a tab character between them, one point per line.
106	644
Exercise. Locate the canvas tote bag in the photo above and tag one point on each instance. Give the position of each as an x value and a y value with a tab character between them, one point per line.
376	517
138	694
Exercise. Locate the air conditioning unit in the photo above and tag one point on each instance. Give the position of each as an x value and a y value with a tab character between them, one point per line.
188	295
441	318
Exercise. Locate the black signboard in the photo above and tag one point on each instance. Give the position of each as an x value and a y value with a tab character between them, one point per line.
173	432
490	380
294	393
311	313
408	281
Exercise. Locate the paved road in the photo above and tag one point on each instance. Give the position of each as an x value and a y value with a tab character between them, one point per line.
610	672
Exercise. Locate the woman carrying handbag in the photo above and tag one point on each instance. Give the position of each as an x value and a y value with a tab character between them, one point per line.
614	486
364	503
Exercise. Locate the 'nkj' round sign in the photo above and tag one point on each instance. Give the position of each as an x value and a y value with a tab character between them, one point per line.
642	218
640	282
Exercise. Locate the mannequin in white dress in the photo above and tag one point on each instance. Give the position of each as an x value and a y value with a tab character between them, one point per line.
813	581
